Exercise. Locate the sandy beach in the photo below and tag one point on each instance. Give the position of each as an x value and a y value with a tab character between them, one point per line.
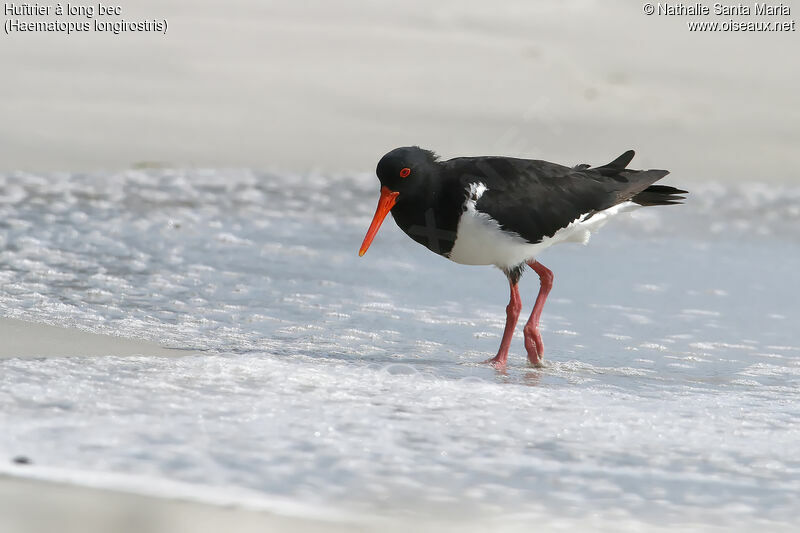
28	339
315	89
318	86
74	509
30	506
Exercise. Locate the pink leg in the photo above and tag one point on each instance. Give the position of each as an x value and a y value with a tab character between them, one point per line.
512	314
533	339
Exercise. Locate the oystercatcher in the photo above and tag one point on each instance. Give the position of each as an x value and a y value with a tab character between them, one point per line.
505	211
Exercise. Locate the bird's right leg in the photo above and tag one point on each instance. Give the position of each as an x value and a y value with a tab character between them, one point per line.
512	314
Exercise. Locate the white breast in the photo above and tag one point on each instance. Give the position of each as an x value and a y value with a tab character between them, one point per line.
481	241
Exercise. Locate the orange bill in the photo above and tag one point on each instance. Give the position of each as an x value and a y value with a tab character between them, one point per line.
385	204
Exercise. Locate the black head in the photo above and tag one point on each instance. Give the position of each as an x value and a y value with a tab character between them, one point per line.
407	170
405	173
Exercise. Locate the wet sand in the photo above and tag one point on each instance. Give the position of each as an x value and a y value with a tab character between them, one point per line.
29	339
32	506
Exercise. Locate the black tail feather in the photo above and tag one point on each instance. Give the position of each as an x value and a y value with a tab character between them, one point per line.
639	188
660	195
616	165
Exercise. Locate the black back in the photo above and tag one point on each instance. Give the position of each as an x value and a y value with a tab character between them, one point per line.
536	198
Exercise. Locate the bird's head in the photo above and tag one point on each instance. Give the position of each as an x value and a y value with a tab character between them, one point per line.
404	173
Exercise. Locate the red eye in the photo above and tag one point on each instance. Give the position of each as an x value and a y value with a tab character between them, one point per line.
405	172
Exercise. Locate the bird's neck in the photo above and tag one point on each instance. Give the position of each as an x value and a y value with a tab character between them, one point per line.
429	217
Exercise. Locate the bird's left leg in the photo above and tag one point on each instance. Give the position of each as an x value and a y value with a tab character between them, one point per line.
533	339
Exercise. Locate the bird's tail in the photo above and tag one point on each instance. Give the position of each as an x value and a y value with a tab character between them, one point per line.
641	181
616	166
659	195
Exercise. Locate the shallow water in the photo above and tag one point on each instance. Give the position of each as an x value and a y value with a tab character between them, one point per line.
670	395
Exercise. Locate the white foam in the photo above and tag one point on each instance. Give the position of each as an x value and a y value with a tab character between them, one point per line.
355	383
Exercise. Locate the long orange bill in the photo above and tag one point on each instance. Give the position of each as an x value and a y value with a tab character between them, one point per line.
385	204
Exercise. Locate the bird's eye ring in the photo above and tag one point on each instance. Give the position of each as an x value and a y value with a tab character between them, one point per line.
405	172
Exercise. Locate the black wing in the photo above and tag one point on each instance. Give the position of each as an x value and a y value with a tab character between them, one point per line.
536	198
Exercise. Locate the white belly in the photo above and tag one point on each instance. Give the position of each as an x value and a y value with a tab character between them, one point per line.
481	241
